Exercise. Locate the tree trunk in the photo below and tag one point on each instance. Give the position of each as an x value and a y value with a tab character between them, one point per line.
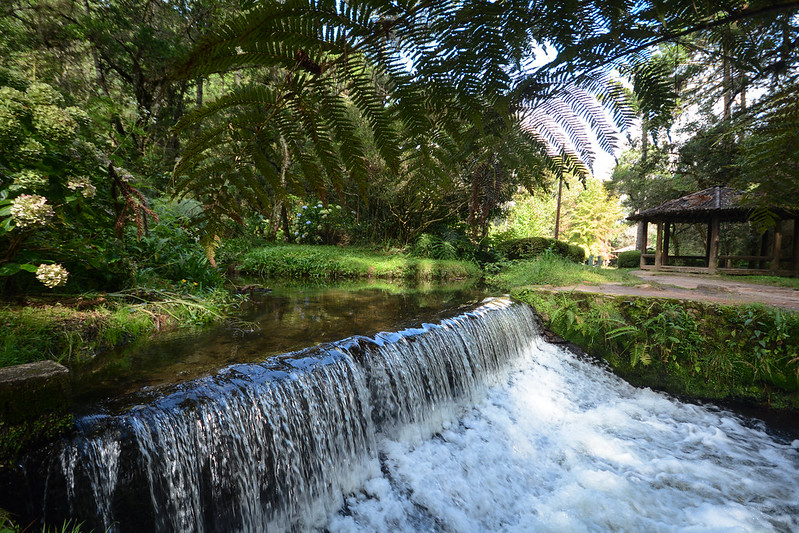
726	84
644	140
280	213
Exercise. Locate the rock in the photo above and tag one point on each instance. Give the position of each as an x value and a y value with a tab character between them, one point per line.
35	407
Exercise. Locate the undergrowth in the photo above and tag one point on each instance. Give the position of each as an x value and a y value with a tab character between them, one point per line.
551	269
332	263
73	330
693	348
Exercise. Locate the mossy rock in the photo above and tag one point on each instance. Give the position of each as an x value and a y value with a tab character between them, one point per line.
35	407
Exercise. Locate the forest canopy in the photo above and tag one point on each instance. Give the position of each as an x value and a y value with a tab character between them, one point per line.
137	135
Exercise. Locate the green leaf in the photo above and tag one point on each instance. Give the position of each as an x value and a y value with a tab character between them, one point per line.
9	269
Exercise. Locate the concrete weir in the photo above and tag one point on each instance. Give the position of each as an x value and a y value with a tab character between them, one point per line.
35	407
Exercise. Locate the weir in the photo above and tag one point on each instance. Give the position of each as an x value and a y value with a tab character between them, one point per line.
278	445
471	424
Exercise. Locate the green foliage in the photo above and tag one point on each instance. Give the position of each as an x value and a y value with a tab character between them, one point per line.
7	525
686	347
97	323
630	259
435	247
317	224
550	269
328	106
452	244
530	216
576	253
332	262
171	251
595	219
532	247
50	173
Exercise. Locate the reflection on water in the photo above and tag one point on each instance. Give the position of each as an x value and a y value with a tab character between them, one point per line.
282	320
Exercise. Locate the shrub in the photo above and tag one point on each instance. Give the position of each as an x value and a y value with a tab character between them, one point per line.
532	247
631	259
317	224
434	247
576	253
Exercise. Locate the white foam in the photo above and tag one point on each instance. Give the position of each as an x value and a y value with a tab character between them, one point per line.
566	446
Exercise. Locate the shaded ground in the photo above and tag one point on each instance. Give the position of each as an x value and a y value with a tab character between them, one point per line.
701	287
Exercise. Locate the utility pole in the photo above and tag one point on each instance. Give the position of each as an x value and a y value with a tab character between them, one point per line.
557	211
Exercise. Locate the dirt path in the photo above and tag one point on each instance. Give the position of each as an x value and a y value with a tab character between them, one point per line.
698	287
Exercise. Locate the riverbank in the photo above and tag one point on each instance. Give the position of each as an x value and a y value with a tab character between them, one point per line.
73	328
295	261
695	349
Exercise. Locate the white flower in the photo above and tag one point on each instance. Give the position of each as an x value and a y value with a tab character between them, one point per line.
52	275
30	209
29	179
88	190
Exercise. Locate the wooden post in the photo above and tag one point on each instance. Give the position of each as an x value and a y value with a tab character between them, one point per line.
659	246
776	248
763	249
640	236
713	252
643	229
707	243
795	255
666	238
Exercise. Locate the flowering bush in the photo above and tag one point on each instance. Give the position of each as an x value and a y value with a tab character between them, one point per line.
51	164
317	224
29	180
84	184
52	275
30	210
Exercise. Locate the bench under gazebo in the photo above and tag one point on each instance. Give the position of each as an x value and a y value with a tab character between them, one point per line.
775	253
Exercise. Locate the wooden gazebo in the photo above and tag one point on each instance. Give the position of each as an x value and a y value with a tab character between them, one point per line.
712	207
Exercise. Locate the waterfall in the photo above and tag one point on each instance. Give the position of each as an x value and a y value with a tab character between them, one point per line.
472	424
278	445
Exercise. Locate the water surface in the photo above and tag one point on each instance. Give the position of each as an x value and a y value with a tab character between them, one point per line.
563	445
280	320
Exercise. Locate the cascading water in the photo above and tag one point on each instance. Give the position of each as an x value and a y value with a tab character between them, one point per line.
473	424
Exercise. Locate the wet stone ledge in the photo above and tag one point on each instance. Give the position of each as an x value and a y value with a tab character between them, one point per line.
35	407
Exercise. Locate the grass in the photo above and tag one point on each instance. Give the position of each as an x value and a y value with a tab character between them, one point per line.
774	281
294	261
75	329
553	270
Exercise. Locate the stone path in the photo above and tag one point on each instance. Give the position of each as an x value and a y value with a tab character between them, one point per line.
698	287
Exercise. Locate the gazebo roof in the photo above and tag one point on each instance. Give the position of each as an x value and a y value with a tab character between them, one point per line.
723	202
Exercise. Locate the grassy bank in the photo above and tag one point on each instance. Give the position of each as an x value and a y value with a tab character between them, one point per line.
555	271
697	349
287	261
71	329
